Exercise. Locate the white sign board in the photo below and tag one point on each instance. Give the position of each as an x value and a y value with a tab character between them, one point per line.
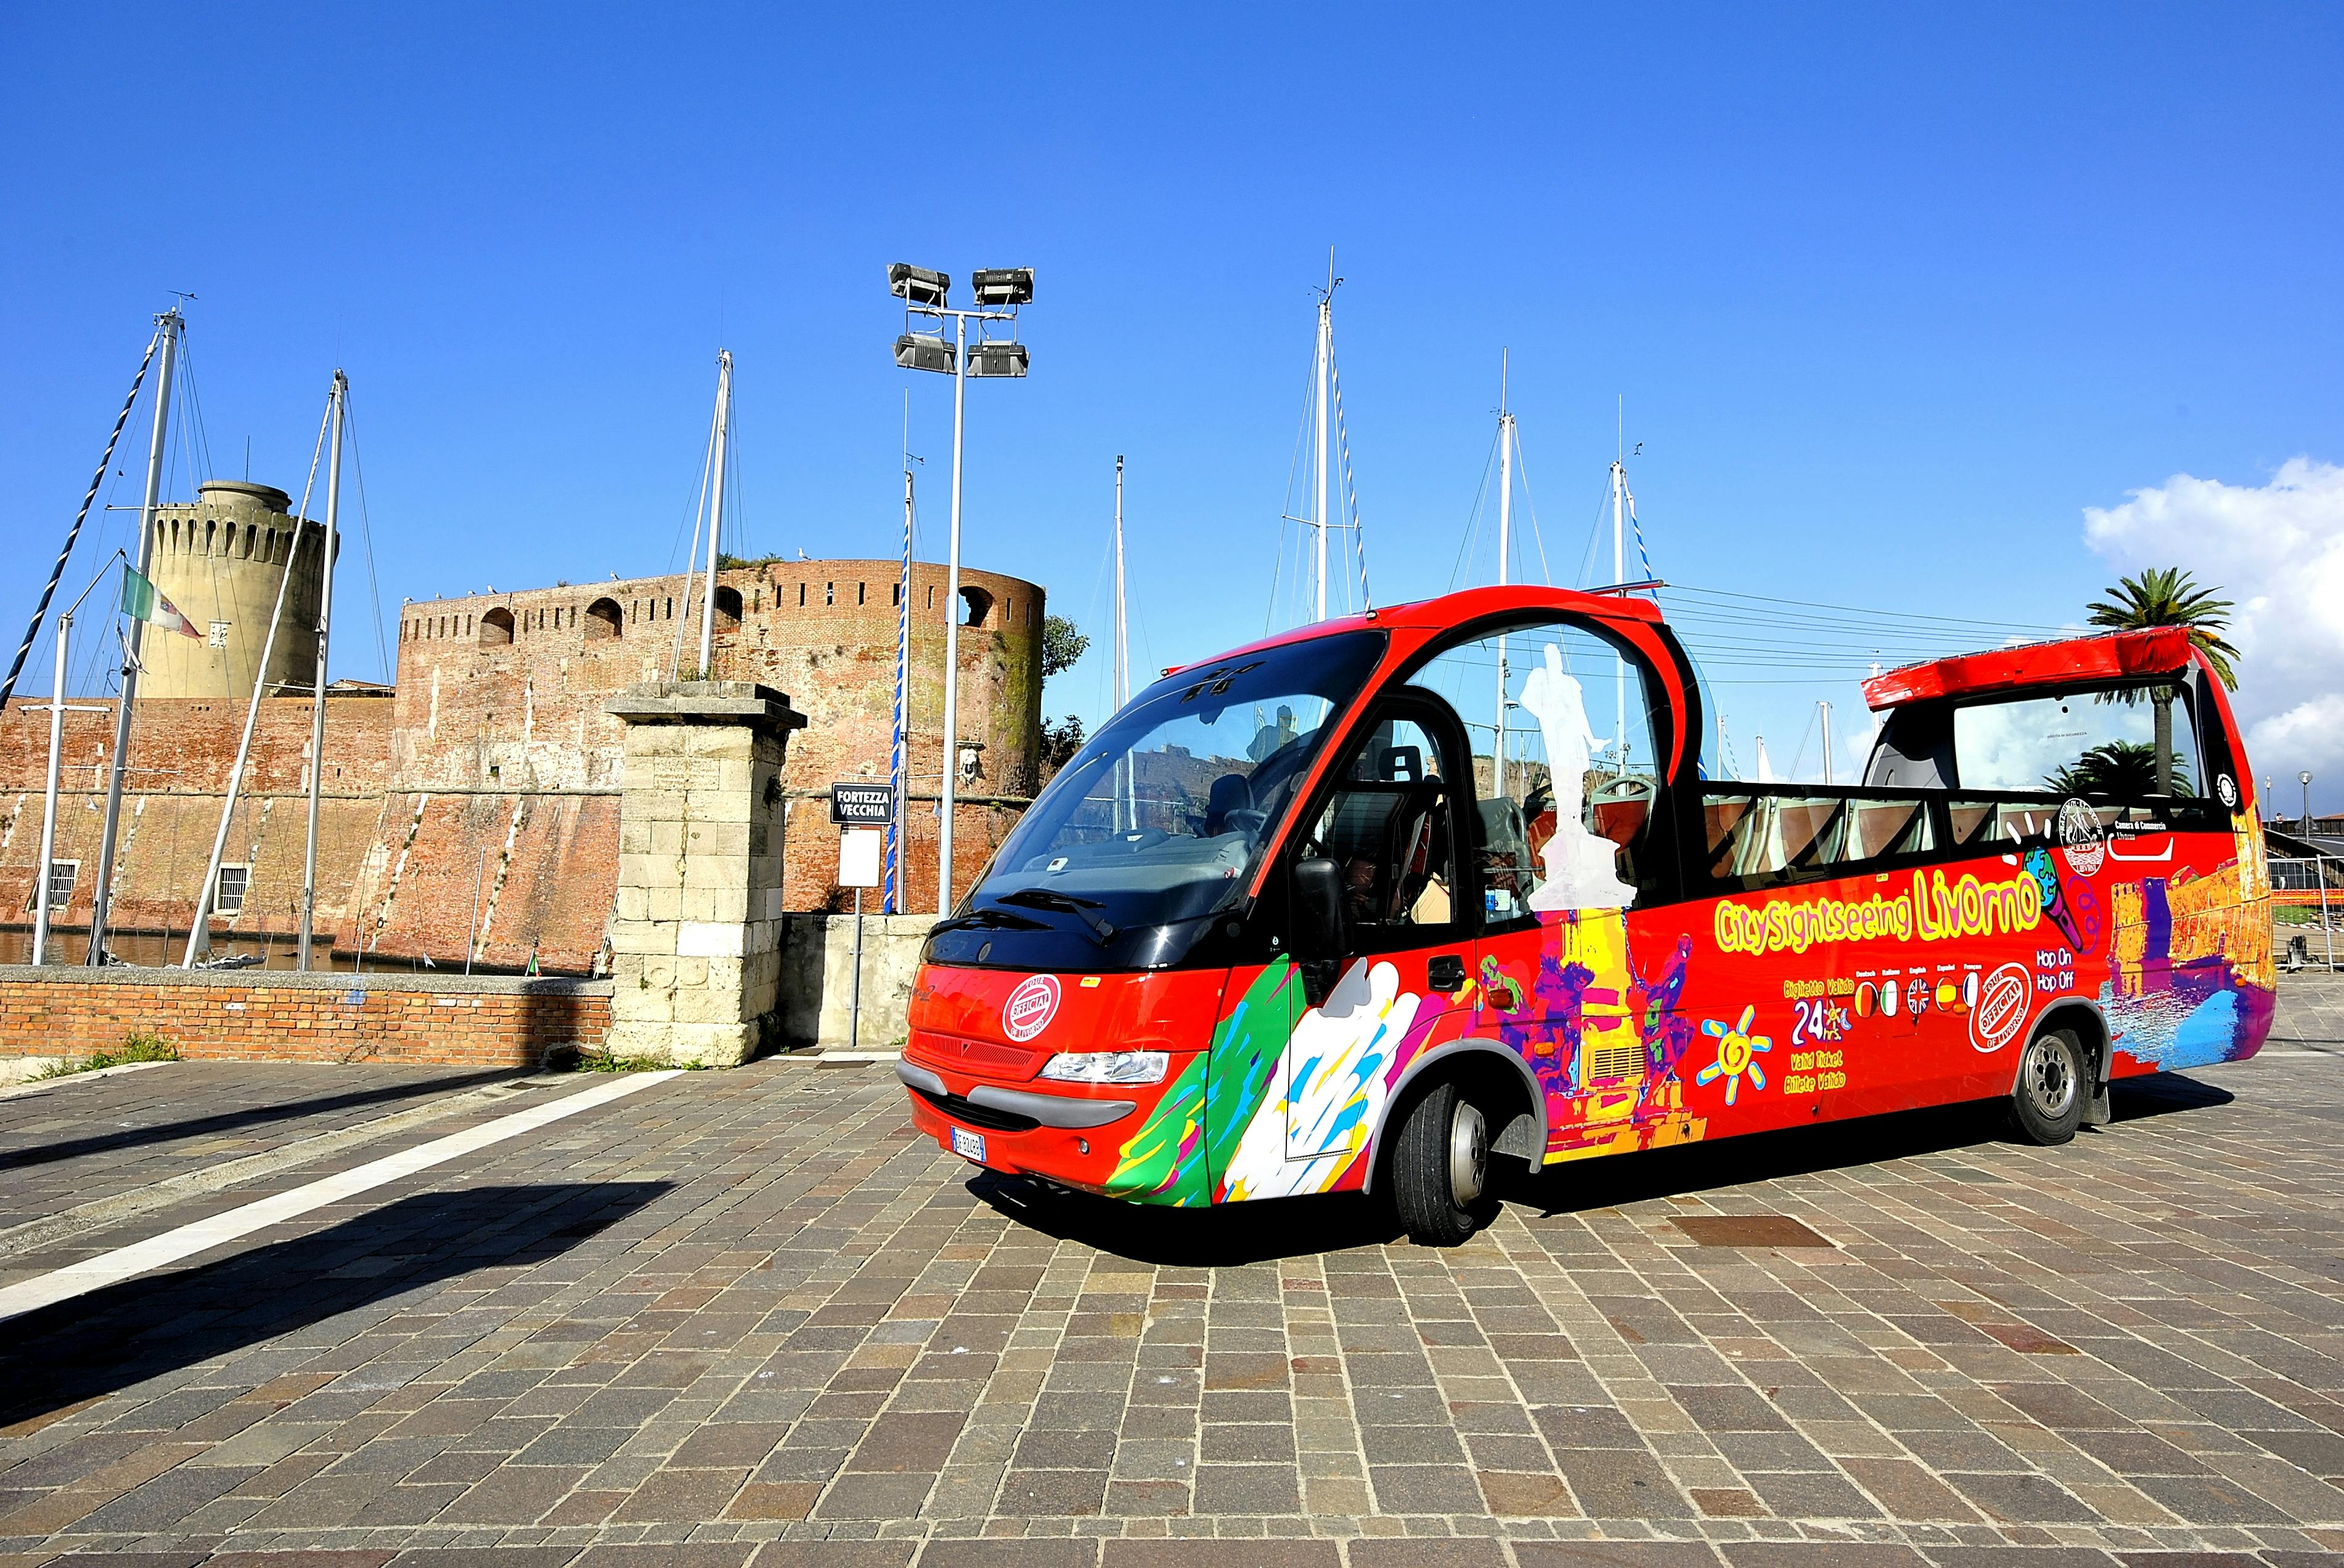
860	853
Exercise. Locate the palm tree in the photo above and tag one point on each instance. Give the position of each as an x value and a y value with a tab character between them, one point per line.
2118	769
2169	596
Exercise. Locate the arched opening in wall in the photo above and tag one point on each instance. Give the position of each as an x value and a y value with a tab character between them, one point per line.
497	626
975	605
602	620
728	609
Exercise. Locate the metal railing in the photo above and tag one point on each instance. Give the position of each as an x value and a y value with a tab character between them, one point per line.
2307	907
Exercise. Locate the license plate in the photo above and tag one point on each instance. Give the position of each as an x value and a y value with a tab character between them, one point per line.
968	1145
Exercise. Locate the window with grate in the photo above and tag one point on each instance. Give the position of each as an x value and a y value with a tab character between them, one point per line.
227	893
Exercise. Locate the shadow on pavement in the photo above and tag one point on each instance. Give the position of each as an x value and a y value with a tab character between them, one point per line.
1613	1179
253	1115
125	1334
1239	1233
1217	1237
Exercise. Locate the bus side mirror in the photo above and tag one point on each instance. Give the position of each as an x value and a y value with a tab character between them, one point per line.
1319	925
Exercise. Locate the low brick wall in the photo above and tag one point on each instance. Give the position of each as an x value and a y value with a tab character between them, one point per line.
282	1016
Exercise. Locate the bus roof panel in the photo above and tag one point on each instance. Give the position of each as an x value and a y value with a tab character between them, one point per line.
2149	651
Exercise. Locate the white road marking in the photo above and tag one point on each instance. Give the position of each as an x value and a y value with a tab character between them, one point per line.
123	1262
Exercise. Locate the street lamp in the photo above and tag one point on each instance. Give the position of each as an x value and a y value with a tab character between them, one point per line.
2305	779
999	291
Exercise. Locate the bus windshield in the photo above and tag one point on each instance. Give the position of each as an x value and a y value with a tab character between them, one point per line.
1159	820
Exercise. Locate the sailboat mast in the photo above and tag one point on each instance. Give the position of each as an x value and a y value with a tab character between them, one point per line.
716	511
1826	706
199	928
171	324
49	797
1620	575
1127	803
1505	554
1320	396
318	682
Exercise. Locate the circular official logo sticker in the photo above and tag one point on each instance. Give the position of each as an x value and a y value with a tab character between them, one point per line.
2227	788
2080	834
1030	1008
2001	1010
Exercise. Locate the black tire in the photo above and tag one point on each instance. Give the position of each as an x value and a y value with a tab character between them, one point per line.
2053	1087
1441	1176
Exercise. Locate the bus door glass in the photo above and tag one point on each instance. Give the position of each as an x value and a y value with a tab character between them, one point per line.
1327	1034
1565	776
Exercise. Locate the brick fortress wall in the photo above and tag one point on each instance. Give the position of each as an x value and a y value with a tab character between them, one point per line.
260	1015
491	777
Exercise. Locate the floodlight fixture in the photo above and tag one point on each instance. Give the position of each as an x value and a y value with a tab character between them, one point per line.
996	359
924	351
1003	286
917	284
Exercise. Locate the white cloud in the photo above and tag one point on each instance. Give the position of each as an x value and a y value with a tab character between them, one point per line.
2277	549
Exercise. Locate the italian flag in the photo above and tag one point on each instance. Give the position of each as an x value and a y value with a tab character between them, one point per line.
140	599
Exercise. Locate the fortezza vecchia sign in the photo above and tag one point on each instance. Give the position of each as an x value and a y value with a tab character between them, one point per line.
863	805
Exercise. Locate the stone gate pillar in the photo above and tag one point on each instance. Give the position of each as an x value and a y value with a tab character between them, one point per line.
695	959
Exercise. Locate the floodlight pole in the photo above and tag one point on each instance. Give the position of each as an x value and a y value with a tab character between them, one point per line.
952	626
49	797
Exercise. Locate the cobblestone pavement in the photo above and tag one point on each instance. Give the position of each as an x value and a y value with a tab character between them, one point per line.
748	1316
73	1140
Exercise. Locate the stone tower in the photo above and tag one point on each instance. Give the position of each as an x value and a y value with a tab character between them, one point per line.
219	560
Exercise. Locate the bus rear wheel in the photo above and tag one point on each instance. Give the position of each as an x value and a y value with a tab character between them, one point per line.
1441	1169
2046	1104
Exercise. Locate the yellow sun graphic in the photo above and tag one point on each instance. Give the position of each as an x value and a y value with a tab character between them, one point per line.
1735	1048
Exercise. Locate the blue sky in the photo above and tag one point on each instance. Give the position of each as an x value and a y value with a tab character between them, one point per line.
1891	294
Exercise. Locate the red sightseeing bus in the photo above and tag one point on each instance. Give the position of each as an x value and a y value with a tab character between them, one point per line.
1367	904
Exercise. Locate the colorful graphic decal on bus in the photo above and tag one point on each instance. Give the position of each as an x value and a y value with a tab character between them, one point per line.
1326	1092
1737	1053
1178	1153
2191	978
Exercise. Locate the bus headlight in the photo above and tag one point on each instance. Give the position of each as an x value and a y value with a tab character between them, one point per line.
1108	1067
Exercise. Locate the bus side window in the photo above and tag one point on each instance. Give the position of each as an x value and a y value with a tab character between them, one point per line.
1565	770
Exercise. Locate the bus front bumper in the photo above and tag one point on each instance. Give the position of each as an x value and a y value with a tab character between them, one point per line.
1073	1139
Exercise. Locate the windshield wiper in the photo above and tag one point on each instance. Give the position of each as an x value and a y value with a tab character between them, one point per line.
996	917
1047	898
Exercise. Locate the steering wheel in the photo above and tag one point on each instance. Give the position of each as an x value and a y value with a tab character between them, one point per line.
1250	823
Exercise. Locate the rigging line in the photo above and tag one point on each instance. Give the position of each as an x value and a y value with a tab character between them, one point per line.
1293	472
1473	518
1887	623
1351	483
366	539
48	593
1862	609
1594	533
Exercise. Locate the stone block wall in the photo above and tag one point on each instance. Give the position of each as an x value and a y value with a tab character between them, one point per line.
262	1014
695	958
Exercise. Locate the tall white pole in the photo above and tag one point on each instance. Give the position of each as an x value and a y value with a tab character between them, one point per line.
199	928
49	798
318	680
171	324
952	631
1126	804
715	511
1320	395
1620	575
899	752
1827	756
1505	555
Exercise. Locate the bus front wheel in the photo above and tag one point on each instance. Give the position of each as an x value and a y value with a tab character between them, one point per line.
1441	1180
2046	1104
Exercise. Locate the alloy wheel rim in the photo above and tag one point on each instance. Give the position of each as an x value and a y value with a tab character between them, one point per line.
2048	1080
1469	1153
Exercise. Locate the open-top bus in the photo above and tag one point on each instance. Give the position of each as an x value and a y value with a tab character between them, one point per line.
1364	905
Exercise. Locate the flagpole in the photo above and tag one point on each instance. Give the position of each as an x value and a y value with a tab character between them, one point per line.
171	325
